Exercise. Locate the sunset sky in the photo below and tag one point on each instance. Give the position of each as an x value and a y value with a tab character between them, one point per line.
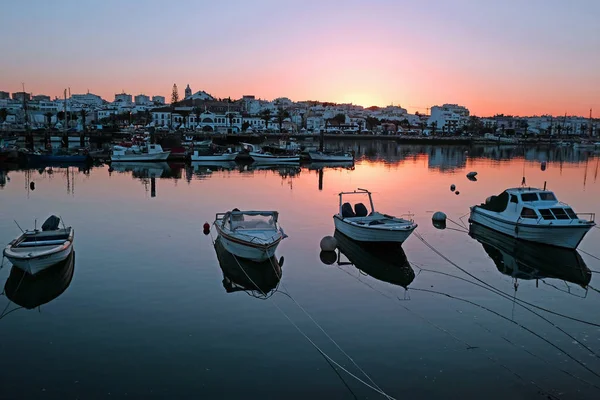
514	57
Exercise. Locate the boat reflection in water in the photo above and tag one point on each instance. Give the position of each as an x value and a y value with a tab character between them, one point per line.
258	279
386	262
527	260
31	291
142	169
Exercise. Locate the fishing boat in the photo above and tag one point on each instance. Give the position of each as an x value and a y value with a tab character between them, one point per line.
361	225
330	156
32	291
534	215
260	156
528	260
253	235
38	157
36	250
227	155
386	262
153	152
240	274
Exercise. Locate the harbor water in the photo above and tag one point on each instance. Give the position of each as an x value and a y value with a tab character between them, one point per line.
147	311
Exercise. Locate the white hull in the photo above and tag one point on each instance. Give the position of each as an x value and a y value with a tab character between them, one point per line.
567	236
71	139
260	157
247	251
214	157
162	156
35	265
317	156
371	233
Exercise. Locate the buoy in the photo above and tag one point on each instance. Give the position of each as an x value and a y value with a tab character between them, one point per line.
32	185
206	228
328	243
457	193
439	220
543	165
328	257
110	169
453	187
281	260
471	174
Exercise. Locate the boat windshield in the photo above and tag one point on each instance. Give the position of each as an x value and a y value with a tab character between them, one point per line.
253	221
547	196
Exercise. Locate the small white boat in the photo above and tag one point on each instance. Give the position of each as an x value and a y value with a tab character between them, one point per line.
584	145
153	152
364	226
36	250
214	156
534	215
338	156
260	156
253	235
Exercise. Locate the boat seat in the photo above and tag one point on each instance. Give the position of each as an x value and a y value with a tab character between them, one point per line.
361	210
347	211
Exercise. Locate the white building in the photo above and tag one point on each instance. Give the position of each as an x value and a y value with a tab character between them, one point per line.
123	98
448	117
89	98
107	113
158	99
142	100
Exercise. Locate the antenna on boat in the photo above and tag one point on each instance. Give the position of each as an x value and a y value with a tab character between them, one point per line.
19	225
544	185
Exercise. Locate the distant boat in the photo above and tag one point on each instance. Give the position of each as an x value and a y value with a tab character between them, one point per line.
244	275
253	235
364	226
386	262
49	158
534	215
36	250
528	260
153	152
213	155
260	156
32	291
331	156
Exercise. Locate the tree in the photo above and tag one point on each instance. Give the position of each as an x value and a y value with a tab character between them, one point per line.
184	114
245	126
60	115
339	118
266	116
3	114
433	127
197	112
371	122
282	114
230	120
174	95
48	116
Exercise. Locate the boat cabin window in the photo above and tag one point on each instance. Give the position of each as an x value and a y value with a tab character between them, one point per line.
528	213
514	199
529	197
547	196
559	213
546	213
571	213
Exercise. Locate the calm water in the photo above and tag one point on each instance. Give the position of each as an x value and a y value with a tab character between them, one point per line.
149	313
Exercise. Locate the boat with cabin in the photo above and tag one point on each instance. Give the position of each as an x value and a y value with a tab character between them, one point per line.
258	155
252	235
534	215
361	225
36	250
330	156
227	155
151	152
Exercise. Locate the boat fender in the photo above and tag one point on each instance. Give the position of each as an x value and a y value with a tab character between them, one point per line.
457	192
328	243
32	185
439	220
543	165
453	187
471	174
206	228
328	257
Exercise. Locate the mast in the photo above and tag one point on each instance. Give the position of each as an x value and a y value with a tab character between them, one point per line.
25	109
65	120
590	124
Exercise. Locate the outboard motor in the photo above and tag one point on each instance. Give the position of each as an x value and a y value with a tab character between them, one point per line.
51	223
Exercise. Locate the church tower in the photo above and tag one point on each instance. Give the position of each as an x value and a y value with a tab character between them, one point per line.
188	91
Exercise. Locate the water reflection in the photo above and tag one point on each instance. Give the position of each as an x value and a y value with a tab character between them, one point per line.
31	291
525	260
142	170
384	262
258	279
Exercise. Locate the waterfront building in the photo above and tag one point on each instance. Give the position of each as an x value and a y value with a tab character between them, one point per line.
106	113
448	117
141	100
158	100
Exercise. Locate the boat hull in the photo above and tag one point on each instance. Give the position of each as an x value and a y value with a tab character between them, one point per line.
43	158
161	156
34	265
214	157
246	250
369	234
567	236
260	157
316	156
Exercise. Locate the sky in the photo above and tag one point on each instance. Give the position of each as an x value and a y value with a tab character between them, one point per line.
520	57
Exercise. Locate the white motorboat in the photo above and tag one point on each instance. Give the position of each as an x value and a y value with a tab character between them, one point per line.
260	156
214	156
252	235
335	156
36	250
153	152
534	215
364	226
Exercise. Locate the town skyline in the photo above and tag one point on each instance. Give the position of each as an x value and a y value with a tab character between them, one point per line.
495	58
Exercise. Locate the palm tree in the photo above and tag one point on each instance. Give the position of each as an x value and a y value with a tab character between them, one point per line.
197	112
48	116
266	116
230	119
83	113
282	114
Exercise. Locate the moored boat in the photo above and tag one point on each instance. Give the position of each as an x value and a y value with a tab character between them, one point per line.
253	235
260	156
213	155
330	156
36	250
534	215
361	225
48	158
153	152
